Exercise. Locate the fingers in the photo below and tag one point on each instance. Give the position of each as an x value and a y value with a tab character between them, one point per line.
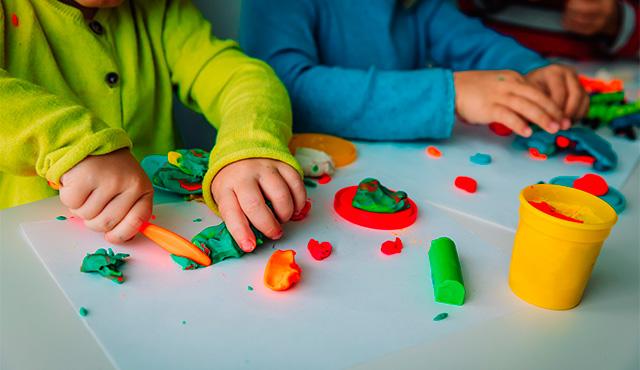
557	89
236	222
75	197
532	113
277	191
253	205
540	99
113	212
296	186
95	203
576	96
584	107
129	226
510	119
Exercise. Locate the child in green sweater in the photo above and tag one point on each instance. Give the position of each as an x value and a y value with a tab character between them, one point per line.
86	89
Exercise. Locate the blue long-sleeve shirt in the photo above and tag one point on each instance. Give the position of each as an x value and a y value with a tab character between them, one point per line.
361	68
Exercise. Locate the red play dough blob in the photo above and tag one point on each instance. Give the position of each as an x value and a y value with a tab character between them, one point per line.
188	186
535	154
324	179
319	251
500	129
303	212
391	247
562	142
548	209
593	184
573	158
372	220
15	20
434	152
466	183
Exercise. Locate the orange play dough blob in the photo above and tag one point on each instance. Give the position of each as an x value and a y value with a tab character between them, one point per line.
342	151
282	272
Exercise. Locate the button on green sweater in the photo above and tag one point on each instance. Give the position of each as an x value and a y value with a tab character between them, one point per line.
70	88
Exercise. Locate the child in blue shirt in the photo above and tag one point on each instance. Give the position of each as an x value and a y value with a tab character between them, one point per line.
364	69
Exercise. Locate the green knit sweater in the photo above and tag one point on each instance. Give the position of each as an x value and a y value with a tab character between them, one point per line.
70	88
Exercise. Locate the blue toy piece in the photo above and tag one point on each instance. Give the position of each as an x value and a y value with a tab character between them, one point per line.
625	121
480	158
615	199
586	141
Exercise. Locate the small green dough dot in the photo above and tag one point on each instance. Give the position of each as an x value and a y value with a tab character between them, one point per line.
249	288
310	183
184	322
197	219
83	311
61	218
441	316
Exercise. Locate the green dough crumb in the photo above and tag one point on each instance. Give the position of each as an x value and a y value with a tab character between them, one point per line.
61	218
83	311
310	183
373	197
197	219
218	244
106	263
249	288
441	316
184	322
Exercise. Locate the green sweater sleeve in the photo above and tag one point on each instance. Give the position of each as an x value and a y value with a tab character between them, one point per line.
45	135
240	96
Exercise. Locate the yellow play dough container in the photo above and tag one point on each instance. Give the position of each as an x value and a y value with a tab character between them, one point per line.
552	258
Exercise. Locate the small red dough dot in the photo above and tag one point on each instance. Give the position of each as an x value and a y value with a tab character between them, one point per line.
324	179
593	184
466	183
120	279
573	158
188	186
319	251
562	142
15	20
391	247
434	152
500	129
153	217
303	212
536	155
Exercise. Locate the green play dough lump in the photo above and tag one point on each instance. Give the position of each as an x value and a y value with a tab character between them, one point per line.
192	161
373	197
218	244
106	263
169	177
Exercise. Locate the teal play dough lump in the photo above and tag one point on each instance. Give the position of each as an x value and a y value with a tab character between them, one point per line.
105	263
480	158
446	273
218	244
171	178
614	197
371	196
190	161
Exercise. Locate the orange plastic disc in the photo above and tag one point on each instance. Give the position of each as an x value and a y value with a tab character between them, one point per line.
342	151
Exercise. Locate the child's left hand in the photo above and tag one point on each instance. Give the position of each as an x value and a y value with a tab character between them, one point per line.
562	85
241	190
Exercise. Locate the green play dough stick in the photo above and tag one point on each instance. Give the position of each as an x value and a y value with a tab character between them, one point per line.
446	274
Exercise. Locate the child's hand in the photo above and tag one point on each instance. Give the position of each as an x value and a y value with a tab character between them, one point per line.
591	17
505	97
562	85
241	190
110	192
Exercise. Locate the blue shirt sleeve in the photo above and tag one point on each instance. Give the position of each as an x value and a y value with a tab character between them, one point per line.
463	43
361	104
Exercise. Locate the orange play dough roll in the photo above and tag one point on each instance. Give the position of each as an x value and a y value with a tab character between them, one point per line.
282	272
174	243
342	151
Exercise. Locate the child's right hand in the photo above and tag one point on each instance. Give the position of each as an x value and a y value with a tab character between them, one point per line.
505	96
110	192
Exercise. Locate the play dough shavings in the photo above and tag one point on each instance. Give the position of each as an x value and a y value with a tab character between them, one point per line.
319	251
466	183
535	154
390	247
593	184
433	152
441	316
303	212
282	272
550	210
106	263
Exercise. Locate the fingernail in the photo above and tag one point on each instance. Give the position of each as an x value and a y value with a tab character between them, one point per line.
554	127
566	123
278	235
247	245
527	132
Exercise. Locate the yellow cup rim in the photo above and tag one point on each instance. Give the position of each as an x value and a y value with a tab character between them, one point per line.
608	223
